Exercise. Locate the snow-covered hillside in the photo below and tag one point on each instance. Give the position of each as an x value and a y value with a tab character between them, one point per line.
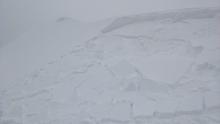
156	68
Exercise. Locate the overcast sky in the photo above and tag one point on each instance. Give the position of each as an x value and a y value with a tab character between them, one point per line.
17	15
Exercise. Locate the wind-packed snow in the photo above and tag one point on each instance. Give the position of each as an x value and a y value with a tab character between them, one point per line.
157	68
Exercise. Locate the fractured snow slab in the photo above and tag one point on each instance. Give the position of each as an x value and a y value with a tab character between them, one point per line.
144	69
163	68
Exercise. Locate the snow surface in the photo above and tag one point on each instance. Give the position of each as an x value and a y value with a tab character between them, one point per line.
157	68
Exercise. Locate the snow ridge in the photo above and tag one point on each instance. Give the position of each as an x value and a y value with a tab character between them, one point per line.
175	16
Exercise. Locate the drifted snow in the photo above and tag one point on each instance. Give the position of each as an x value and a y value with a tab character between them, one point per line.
147	69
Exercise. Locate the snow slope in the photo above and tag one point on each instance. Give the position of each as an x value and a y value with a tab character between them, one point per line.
155	68
41	45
